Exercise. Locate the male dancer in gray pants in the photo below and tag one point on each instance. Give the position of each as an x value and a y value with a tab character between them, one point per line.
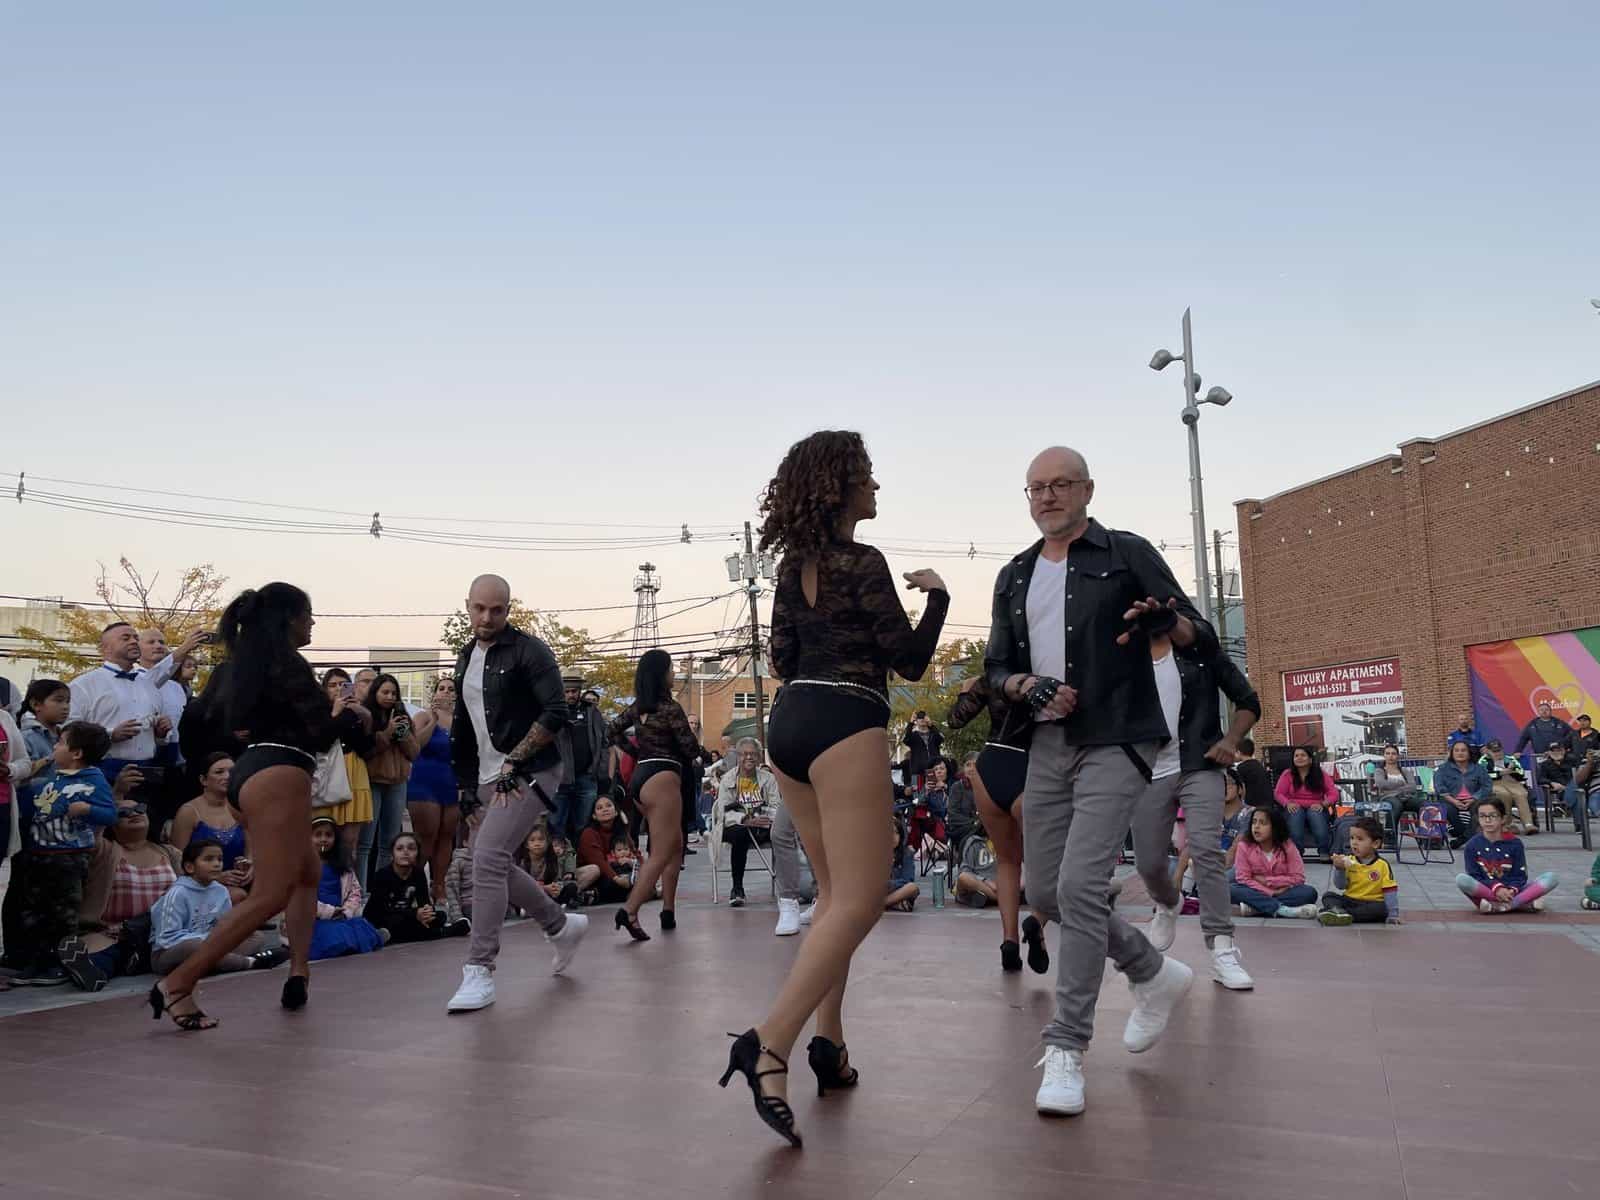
1188	774
1068	640
509	711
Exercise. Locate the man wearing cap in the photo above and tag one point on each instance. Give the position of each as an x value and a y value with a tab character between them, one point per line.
583	757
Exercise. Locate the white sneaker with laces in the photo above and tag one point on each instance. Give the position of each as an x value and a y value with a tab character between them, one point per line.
1485	906
788	918
1061	1093
807	913
567	941
1244	910
1307	912
1163	929
1227	968
1153	1003
476	990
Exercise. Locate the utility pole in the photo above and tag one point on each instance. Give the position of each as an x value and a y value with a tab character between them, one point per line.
752	572
1222	595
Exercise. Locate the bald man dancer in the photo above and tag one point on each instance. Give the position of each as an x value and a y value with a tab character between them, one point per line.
1069	647
509	710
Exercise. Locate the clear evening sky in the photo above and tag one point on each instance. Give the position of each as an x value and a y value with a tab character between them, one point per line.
605	262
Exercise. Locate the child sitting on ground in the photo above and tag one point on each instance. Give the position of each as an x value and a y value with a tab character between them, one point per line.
1591	891
340	928
181	919
1370	893
73	801
1269	874
903	890
401	901
1497	868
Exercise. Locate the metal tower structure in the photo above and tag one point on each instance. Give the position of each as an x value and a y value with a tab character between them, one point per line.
646	625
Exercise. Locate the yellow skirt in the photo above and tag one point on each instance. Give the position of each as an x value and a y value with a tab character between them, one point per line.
358	808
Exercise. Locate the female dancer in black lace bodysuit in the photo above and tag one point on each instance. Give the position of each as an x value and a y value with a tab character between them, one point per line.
837	630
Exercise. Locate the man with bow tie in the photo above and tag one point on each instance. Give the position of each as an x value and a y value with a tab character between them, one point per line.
125	700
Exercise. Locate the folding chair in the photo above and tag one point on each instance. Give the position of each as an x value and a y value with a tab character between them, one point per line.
1429	830
715	847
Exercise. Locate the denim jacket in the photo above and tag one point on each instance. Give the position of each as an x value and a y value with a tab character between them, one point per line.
1447	778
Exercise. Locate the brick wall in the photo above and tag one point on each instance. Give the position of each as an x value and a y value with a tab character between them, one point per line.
1471	537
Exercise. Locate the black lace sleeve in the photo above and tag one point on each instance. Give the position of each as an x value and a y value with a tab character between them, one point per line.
785	644
972	701
908	650
617	730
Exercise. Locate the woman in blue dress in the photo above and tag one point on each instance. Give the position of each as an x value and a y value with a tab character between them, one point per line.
340	928
431	792
209	817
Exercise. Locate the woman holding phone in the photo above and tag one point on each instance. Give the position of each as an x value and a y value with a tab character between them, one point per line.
353	818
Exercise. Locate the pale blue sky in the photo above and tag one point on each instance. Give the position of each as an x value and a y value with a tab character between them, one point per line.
517	259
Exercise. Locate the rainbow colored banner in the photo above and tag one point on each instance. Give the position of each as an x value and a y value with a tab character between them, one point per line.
1511	679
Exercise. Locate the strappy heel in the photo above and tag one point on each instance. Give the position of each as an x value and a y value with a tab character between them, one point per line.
827	1063
161	1006
631	924
745	1057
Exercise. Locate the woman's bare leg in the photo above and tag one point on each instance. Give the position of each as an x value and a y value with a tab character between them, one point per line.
300	918
660	798
1006	835
444	848
586	877
847	830
276	802
425	827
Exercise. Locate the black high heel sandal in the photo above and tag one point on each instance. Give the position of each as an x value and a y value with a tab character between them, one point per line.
827	1063
669	920
295	992
631	924
1033	934
744	1057
161	1006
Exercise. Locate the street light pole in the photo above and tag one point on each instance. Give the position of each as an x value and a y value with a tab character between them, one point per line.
1191	417
1197	493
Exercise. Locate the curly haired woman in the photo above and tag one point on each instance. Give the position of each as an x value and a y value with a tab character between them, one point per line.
837	630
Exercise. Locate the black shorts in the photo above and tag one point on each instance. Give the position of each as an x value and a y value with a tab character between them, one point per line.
259	758
1004	772
647	769
810	718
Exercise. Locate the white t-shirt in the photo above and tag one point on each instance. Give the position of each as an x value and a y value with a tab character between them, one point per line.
490	760
1047	620
1170	685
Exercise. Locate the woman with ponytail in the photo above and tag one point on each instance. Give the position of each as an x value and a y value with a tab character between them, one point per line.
265	698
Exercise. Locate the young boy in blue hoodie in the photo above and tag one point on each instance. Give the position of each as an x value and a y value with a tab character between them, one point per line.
73	801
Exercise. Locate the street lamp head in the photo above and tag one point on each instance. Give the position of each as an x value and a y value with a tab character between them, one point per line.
1161	360
1218	396
1596	304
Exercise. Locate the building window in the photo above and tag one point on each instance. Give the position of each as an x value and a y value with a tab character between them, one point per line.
744	701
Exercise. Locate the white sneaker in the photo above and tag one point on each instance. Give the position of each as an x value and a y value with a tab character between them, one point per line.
567	941
1153	1003
1163	929
1061	1093
807	912
1227	968
788	918
1244	910
476	990
1485	906
1537	905
1307	912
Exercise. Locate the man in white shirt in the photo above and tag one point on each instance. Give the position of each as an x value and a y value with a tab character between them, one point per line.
126	702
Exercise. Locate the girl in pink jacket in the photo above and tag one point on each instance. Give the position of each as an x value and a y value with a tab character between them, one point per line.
1269	875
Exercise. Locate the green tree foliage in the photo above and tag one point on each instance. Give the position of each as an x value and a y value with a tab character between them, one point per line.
936	692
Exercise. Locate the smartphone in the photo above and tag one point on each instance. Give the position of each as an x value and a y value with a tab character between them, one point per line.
347	690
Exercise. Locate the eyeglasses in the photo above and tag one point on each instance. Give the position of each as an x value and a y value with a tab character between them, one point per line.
1056	487
131	810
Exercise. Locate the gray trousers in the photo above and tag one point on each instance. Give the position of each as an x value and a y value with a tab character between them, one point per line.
496	879
786	854
1081	801
1200	794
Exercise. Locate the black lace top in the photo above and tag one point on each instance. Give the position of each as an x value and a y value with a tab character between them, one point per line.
664	733
857	632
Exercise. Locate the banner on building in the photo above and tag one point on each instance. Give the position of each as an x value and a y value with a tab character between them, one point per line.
1511	679
1345	709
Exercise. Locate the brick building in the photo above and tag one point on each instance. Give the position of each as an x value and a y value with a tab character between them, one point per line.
1477	536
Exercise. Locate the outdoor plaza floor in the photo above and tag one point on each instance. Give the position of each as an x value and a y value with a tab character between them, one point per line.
1452	1057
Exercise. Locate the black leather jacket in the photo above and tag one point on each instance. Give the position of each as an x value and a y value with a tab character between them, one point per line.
1108	570
521	685
1200	716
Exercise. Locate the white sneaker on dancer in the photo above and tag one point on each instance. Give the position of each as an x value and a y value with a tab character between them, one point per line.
1163	929
1061	1093
476	990
567	941
808	912
1153	1003
788	918
1227	968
